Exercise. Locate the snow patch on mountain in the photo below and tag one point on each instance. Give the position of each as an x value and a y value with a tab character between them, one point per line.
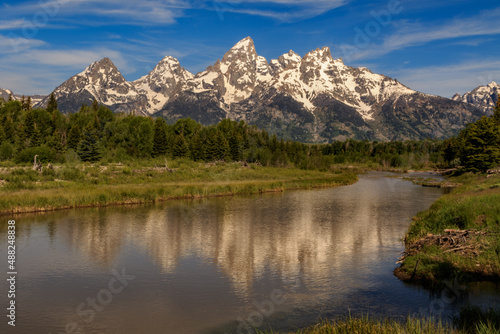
235	77
319	73
103	81
100	81
483	97
284	61
162	82
5	93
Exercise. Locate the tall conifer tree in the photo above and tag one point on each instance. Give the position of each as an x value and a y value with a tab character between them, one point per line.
160	143
181	148
88	149
52	105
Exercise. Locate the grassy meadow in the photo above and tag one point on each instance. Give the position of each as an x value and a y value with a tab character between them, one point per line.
90	185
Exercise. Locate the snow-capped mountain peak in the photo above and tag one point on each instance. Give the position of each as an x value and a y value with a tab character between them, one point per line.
103	82
285	61
483	97
493	85
320	53
162	82
319	74
236	76
246	45
242	52
102	73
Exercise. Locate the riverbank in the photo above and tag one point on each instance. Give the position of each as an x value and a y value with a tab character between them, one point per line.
470	320
458	237
24	190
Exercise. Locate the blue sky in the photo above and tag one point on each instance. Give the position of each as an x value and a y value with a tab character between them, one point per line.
437	47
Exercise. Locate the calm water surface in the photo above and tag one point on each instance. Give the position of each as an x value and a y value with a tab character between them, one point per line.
222	265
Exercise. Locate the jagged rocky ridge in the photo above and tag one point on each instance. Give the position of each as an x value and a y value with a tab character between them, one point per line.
314	98
482	97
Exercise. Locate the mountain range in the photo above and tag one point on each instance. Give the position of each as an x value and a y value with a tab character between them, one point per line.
483	97
35	99
315	98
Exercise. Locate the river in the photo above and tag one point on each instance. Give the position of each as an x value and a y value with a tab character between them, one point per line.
225	265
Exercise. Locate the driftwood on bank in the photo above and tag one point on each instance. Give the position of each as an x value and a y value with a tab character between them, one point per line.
450	241
37	165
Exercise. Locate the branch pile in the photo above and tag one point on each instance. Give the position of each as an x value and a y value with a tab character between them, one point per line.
451	241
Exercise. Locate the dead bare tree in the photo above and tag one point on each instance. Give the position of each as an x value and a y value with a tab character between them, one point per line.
37	165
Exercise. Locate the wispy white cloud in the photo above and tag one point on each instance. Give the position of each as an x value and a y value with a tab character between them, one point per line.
284	10
29	82
451	79
408	34
129	12
69	58
473	42
11	24
16	44
160	12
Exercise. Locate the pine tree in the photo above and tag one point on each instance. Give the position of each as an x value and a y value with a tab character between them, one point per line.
10	130
496	113
220	146
29	124
36	138
88	149
83	108
96	124
160	143
2	134
56	142
11	98
217	147
481	145
23	103
21	140
52	105
197	147
74	137
95	105
234	146
180	148
273	144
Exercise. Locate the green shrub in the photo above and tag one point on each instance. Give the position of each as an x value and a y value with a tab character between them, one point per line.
6	151
398	161
48	172
71	157
70	174
45	154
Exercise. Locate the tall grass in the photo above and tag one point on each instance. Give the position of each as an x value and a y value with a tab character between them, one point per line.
372	326
470	320
87	185
473	319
